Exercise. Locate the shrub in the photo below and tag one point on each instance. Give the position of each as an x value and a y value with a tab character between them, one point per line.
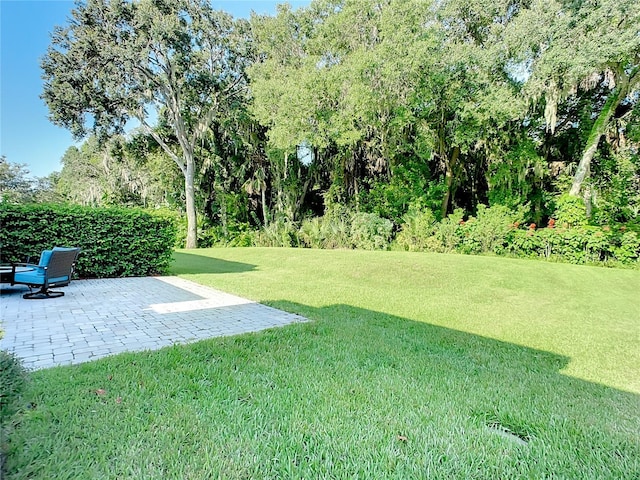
310	233
370	232
341	228
525	243
417	230
489	231
244	238
570	211
551	242
448	232
279	233
587	244
628	248
333	230
236	234
115	242
13	378
598	244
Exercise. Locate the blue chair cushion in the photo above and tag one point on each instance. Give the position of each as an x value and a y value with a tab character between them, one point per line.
45	256
36	277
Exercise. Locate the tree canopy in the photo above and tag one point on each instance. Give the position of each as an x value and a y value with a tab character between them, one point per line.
374	106
178	61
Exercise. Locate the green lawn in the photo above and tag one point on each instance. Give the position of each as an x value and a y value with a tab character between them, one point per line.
414	366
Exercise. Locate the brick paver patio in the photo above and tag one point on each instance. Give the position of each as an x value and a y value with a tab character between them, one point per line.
102	317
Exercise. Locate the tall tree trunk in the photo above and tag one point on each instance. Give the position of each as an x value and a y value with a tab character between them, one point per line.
187	167
263	196
219	191
450	165
597	130
192	221
302	195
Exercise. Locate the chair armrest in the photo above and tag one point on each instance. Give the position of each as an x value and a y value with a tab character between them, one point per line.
30	266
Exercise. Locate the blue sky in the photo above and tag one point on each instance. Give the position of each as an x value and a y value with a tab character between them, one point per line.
26	135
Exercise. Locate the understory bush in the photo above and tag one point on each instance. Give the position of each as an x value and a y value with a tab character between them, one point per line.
498	230
331	231
370	232
570	211
235	234
490	230
585	244
341	228
449	233
418	230
13	379
114	242
279	233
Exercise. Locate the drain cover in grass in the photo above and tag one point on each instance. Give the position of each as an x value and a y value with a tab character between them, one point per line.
506	433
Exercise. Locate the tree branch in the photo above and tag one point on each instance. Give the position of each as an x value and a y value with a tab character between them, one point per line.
179	161
204	123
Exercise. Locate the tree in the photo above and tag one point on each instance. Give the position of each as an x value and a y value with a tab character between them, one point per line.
116	60
81	179
131	172
289	97
577	46
15	185
373	83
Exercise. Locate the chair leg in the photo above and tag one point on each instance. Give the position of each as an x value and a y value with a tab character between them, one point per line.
42	294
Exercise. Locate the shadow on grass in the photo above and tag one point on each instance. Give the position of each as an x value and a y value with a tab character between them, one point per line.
188	263
354	393
508	387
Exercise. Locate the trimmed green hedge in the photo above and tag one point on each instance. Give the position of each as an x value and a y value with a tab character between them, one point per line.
115	242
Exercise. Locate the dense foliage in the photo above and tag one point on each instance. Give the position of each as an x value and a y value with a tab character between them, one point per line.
114	242
499	231
360	108
493	230
13	380
13	377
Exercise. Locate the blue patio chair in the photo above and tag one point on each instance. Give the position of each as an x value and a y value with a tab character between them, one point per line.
55	269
